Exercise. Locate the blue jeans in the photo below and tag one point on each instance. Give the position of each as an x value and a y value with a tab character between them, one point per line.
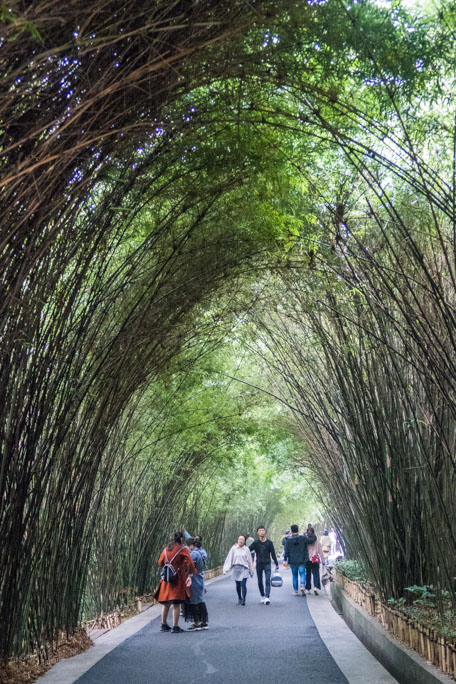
266	568
302	575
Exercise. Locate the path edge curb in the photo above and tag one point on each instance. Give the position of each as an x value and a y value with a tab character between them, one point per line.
401	662
69	670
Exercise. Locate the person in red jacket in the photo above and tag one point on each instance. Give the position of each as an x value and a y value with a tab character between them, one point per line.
175	593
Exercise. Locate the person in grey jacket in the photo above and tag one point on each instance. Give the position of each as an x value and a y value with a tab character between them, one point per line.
296	556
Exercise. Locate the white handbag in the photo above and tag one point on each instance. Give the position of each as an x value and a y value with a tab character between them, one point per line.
276	579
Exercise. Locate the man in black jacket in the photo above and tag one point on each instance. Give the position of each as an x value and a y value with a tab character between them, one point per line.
264	550
296	556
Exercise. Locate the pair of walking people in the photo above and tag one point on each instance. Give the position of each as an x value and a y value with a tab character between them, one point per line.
303	553
240	561
182	584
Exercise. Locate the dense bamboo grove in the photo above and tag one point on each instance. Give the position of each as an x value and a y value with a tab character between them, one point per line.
181	465
184	184
365	346
95	301
378	435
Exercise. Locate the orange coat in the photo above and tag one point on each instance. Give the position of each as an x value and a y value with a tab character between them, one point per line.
176	591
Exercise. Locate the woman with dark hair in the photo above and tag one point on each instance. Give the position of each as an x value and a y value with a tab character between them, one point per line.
195	610
239	560
173	593
315	553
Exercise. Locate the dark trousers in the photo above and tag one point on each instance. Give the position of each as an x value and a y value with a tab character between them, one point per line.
266	568
312	571
241	588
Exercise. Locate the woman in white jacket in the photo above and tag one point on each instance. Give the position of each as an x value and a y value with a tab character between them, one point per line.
239	560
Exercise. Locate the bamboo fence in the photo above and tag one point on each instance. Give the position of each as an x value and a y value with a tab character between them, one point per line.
213	572
108	621
435	649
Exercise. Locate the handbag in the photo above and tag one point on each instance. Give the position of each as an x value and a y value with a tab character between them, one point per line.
276	579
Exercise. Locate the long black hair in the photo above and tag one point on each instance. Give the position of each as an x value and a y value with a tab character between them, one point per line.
178	536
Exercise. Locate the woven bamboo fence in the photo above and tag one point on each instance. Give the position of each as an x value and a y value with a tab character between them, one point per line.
434	648
214	572
108	621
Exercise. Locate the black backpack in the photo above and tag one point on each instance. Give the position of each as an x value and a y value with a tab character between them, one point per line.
168	572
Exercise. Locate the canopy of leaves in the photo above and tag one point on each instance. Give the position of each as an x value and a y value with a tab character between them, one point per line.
227	248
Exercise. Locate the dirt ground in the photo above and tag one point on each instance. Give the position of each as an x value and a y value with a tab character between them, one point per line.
29	669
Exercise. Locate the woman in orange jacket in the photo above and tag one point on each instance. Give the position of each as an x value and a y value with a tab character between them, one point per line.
178	591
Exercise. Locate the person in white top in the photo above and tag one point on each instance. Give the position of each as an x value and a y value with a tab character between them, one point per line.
325	542
239	560
333	538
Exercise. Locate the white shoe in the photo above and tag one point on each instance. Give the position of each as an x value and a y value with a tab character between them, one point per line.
262	599
307	591
266	601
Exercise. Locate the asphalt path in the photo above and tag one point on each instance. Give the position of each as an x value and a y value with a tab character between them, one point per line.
252	643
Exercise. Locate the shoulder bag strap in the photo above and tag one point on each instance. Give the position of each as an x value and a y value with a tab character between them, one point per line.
177	552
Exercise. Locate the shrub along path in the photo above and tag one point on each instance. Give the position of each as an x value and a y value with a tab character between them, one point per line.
255	643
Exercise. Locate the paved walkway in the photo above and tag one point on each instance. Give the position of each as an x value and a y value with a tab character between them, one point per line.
255	643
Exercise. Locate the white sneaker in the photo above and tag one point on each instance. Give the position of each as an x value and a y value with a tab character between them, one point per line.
262	599
266	601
